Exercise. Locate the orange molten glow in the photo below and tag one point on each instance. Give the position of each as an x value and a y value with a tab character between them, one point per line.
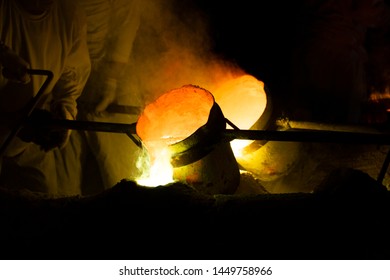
173	117
243	101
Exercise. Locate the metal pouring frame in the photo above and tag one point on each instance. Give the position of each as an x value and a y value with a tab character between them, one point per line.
290	135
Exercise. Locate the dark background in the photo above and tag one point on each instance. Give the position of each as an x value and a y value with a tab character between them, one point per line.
257	35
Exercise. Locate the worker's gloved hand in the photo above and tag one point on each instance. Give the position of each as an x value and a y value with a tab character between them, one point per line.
61	135
106	94
38	129
14	67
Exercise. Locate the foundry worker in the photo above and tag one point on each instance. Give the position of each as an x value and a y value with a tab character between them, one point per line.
329	78
47	35
112	27
378	47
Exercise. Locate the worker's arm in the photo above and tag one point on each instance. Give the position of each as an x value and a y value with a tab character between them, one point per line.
124	25
13	66
74	76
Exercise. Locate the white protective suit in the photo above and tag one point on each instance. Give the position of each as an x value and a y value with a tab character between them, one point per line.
112	29
56	41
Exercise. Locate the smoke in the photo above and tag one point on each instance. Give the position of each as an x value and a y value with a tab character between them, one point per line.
173	48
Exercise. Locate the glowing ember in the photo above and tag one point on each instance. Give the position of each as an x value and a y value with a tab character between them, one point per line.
243	101
173	117
382	98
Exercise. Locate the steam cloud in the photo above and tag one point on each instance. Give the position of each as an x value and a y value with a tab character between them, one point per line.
173	48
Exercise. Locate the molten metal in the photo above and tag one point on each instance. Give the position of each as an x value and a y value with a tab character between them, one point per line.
190	124
244	102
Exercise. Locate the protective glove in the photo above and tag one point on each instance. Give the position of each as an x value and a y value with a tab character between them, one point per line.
106	94
38	129
14	67
61	135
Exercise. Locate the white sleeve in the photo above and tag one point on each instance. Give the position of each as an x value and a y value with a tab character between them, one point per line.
123	29
76	71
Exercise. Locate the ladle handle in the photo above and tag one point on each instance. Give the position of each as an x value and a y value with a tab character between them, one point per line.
29	107
128	129
307	135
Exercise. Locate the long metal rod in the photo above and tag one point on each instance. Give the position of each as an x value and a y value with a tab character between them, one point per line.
310	136
128	129
28	108
385	166
301	135
93	126
112	108
293	124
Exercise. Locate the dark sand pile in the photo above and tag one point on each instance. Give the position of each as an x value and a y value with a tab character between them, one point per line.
345	217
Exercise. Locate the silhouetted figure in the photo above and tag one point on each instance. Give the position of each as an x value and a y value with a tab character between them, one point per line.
378	70
108	157
329	78
48	35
